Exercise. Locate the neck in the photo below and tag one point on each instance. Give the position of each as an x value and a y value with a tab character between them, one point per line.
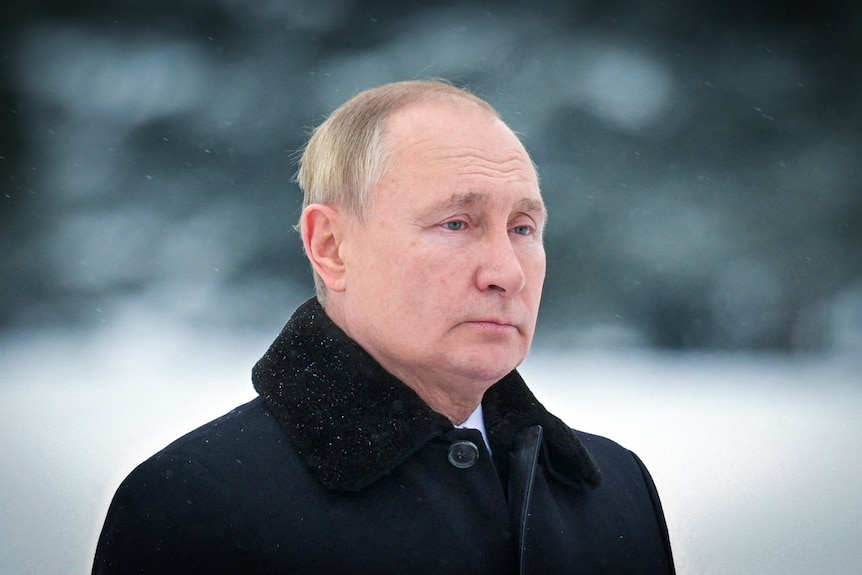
456	406
454	397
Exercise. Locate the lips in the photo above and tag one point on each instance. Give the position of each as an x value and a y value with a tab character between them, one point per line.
493	324
493	320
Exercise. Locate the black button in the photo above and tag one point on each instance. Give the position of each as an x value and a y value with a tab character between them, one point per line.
463	454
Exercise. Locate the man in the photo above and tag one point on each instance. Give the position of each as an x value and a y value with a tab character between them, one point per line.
392	433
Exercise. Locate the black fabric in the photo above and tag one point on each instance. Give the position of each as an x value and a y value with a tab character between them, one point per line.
339	468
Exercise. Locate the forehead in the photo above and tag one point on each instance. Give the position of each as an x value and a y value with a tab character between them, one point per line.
457	141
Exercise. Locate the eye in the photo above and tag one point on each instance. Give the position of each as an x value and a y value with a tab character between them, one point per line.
522	230
455	225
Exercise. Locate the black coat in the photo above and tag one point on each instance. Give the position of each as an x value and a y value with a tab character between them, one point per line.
340	468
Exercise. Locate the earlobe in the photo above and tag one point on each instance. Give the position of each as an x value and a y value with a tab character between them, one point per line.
322	233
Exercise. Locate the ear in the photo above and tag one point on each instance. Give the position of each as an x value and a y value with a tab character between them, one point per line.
322	230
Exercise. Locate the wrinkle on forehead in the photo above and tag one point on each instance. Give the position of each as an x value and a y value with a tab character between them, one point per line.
476	162
472	145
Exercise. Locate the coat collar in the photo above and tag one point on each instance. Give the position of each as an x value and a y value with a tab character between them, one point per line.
352	421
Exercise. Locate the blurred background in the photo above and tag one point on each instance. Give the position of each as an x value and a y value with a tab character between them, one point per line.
700	161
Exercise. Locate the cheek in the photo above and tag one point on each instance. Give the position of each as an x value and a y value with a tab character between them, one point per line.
429	281
541	271
534	268
426	279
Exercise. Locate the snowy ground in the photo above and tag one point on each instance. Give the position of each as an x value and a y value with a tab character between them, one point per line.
756	458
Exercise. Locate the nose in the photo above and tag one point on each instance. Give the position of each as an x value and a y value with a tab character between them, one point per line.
500	269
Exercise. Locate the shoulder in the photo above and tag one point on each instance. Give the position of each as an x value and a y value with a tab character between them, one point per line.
214	451
625	478
181	509
244	425
628	487
249	418
607	452
621	469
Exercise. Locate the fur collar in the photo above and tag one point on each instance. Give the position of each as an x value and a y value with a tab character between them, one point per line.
353	422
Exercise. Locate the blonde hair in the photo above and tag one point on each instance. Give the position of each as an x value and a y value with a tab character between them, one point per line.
347	155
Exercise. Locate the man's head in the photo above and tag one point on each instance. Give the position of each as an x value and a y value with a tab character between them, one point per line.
438	271
347	154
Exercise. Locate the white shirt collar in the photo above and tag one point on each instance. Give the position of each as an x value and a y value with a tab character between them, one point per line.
477	421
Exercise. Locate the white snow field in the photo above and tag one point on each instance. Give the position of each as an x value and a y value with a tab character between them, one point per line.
757	458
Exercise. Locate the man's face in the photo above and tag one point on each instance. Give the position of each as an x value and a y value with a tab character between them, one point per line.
443	279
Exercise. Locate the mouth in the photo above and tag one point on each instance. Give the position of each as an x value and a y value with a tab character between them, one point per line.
493	325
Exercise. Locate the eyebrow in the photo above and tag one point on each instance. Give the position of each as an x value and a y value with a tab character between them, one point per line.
533	205
470	199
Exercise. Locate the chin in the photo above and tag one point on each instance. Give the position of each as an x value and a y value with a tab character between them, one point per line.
489	371
482	362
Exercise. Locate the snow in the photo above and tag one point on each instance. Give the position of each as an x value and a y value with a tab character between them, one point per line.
755	457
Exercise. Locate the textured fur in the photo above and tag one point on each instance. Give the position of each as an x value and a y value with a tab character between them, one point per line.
353	422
